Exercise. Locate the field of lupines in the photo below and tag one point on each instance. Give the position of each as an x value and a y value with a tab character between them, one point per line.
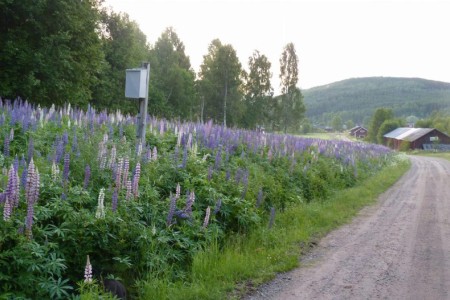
82	199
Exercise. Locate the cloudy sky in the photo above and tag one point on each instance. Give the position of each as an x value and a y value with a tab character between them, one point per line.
335	40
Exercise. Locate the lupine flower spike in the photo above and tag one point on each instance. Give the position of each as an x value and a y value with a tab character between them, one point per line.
100	213
172	207
88	271
206	221
135	184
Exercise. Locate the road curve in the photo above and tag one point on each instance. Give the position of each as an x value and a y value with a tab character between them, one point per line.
396	249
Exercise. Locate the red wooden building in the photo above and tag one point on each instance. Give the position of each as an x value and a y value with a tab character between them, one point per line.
417	138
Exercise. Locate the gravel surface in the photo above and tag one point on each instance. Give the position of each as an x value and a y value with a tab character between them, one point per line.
396	249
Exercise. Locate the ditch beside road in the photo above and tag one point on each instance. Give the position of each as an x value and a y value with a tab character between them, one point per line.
398	248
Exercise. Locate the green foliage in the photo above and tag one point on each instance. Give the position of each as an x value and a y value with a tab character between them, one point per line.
50	50
245	261
380	115
124	46
336	123
439	120
387	126
357	99
258	92
219	85
173	78
291	108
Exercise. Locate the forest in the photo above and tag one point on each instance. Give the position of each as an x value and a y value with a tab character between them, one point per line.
357	99
65	51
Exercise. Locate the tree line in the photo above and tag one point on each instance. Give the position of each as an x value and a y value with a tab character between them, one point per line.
58	51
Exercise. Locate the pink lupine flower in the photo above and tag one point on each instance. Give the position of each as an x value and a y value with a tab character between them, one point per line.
88	271
7	210
128	186
126	167
137	175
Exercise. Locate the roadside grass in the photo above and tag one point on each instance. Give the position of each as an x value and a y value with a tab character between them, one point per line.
329	136
445	155
247	260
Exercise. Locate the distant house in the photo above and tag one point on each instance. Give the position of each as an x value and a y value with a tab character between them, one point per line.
417	138
358	132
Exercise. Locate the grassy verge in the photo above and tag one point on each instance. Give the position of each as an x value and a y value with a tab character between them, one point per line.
248	260
445	155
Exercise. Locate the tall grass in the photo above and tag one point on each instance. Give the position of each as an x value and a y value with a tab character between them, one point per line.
249	260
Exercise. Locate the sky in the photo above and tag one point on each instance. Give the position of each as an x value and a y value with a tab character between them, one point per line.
334	40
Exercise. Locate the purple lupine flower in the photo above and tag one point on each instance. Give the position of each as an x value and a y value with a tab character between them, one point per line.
65	138
217	206
176	154
210	172
190	201
32	184
6	146
126	167
172	207
16	163
88	271
115	198
218	159
206	220
32	195
12	188
185	154
245	184
272	217
128	187
87	176
59	151
66	168
120	130
259	199
227	175
23	162
29	220
137	175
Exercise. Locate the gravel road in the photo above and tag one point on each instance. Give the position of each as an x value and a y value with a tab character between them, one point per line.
396	249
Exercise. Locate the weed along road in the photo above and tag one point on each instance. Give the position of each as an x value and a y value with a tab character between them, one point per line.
396	249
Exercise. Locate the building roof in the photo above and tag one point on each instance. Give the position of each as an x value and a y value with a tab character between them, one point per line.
408	134
357	128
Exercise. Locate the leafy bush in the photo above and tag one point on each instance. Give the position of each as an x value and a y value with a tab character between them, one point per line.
76	183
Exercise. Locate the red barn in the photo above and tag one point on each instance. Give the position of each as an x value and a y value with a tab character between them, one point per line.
417	138
358	132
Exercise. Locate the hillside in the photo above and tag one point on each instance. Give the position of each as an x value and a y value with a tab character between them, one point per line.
356	99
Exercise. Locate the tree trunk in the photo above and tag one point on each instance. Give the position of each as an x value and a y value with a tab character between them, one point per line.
225	105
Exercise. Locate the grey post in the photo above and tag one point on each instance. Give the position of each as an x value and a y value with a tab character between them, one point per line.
143	103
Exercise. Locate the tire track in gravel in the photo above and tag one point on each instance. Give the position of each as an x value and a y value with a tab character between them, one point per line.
396	249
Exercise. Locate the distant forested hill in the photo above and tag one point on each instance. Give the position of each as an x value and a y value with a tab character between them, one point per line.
356	99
